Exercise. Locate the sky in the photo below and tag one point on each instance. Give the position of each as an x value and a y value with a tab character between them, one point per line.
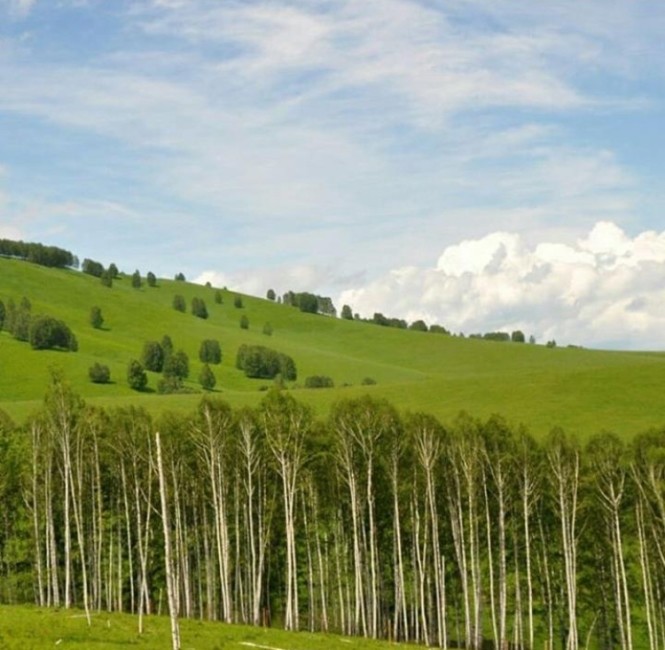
484	165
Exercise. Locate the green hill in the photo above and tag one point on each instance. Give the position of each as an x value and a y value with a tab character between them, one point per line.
583	391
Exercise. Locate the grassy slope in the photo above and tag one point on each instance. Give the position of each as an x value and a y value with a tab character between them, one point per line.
582	390
30	628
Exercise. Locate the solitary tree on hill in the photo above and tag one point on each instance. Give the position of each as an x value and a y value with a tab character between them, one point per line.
96	318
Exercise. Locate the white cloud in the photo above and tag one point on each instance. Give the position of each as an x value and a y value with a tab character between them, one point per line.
606	289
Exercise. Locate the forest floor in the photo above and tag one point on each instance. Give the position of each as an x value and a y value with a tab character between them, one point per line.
33	628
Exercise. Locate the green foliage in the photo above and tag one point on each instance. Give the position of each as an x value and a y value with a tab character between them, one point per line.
47	332
267	329
177	365
91	267
259	362
271	294
152	357
3	313
96	317
368	381
180	277
438	329
210	351
319	381
199	308
137	379
551	344
347	314
237	302
517	336
167	346
207	377
136	280
179	303
419	326
99	374
169	384
218	297
113	271
310	303
151	279
50	256
106	279
244	322
384	321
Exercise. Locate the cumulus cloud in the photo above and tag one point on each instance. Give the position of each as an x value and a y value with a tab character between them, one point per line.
604	290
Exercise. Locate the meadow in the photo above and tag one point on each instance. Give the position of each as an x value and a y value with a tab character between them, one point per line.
32	628
584	391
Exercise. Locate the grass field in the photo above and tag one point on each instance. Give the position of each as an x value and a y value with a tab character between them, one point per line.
31	628
584	391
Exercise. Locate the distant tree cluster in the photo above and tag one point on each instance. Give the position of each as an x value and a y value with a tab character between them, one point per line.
386	321
50	256
502	337
160	357
97	270
43	332
310	303
259	362
319	381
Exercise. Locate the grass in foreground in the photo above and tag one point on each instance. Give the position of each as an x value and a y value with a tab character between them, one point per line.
32	628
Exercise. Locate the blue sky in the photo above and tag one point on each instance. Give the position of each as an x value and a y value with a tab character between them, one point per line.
353	148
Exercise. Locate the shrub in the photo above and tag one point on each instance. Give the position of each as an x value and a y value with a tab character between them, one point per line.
207	377
153	356
169	384
179	303
151	279
180	277
47	332
261	362
319	381
99	374
368	381
136	280
218	297
210	351
91	267
199	308
244	322
237	302
96	318
3	311
136	375
177	365
418	326
267	329
106	278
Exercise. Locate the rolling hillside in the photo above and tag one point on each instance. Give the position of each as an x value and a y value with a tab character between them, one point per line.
583	391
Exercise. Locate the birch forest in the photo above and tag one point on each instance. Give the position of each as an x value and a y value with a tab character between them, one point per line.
368	522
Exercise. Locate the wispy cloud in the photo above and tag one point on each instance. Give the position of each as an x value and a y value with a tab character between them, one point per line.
339	139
